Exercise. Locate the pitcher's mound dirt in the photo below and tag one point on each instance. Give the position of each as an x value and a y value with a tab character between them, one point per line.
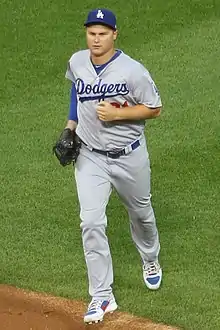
23	310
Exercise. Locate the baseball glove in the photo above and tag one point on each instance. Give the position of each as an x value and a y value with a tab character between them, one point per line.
67	147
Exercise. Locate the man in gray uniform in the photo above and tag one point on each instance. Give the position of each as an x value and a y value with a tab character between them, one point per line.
112	97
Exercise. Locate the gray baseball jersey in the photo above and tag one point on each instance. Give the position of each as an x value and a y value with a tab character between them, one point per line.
123	82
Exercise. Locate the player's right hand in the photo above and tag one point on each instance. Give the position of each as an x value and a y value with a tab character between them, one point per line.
106	111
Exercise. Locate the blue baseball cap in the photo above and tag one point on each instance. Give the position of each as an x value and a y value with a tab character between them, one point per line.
101	16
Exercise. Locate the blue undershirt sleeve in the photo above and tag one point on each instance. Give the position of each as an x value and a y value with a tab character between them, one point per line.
73	104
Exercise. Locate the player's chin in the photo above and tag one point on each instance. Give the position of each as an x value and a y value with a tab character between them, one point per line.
97	51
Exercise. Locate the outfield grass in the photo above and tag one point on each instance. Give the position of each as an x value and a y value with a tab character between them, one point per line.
40	235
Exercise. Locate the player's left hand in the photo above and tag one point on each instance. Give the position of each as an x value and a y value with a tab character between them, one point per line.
106	111
67	147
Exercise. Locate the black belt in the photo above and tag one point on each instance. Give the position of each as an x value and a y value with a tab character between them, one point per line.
114	153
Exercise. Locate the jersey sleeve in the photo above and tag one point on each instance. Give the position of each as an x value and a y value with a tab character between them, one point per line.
69	73
143	88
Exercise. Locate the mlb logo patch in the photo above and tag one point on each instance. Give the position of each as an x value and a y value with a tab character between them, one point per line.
155	88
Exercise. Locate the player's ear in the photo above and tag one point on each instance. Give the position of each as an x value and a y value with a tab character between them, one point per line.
115	34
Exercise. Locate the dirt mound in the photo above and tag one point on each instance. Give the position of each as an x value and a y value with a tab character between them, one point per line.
23	310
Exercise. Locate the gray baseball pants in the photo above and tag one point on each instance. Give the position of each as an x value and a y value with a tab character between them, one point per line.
96	175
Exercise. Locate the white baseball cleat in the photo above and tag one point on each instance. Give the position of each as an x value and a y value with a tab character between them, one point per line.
98	308
152	274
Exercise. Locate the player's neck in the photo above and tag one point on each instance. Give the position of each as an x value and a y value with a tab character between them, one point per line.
99	60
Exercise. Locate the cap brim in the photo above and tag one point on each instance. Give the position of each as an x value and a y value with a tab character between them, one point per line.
87	24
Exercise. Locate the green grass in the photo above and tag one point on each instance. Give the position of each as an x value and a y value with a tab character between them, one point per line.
40	235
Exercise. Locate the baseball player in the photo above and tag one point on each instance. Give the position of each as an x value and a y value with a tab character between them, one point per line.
112	96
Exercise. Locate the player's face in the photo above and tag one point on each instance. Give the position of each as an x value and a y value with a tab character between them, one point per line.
100	39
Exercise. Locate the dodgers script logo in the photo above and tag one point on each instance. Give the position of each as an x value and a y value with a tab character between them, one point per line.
100	90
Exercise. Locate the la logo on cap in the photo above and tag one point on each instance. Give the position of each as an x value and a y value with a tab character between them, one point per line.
100	14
